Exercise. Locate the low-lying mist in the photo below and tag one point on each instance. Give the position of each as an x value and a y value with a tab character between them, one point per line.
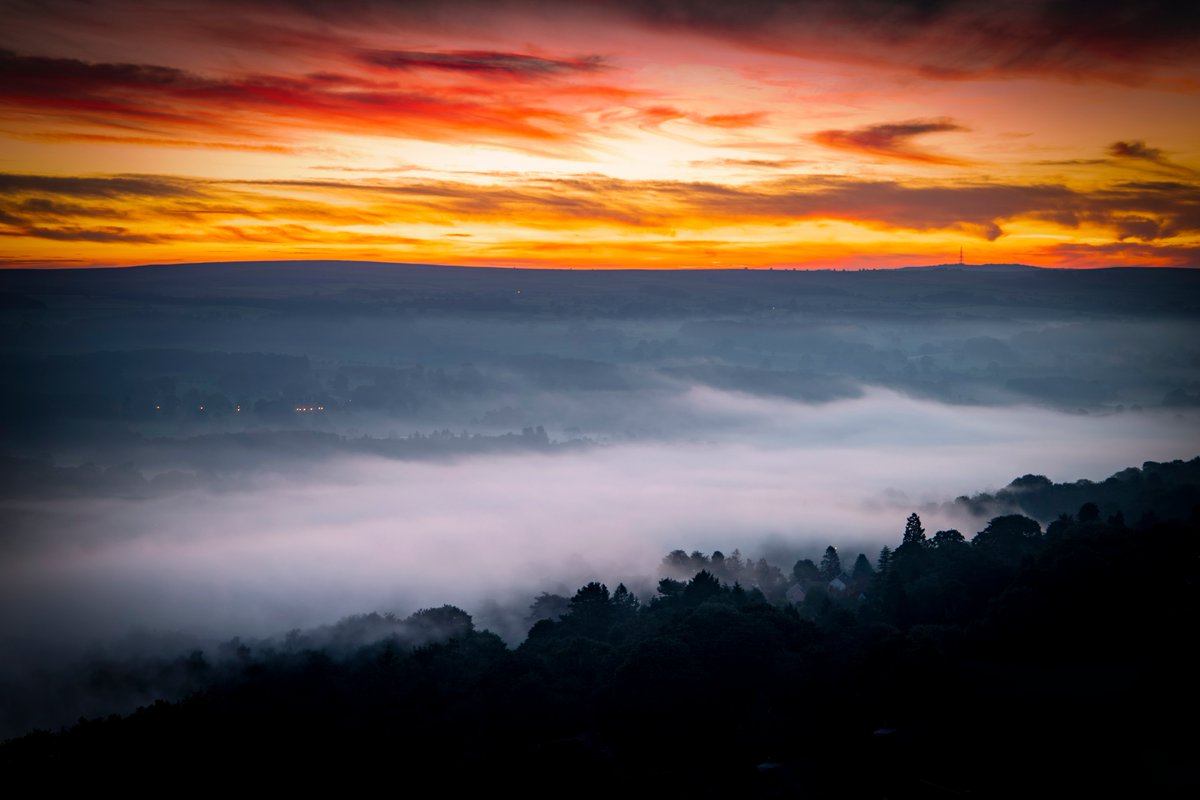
298	542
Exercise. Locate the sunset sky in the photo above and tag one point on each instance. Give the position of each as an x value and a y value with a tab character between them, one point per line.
684	133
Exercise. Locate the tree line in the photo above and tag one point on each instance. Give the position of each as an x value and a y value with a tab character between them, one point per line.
1019	660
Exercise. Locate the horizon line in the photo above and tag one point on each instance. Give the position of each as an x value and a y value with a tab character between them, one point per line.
948	265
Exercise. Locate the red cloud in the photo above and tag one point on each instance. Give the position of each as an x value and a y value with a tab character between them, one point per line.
163	101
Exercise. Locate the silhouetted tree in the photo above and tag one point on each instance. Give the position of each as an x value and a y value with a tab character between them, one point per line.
734	561
669	587
738	594
769	579
805	570
702	587
1010	536
831	563
1089	512
548	606
884	562
913	532
862	568
441	621
719	568
943	540
625	601
676	562
591	608
1057	529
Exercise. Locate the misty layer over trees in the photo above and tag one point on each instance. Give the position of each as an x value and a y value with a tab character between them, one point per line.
119	675
194	453
945	665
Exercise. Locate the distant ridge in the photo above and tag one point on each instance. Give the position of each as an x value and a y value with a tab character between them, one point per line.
277	264
980	268
423	265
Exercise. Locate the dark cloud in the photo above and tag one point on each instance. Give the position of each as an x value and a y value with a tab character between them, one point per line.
34	263
108	235
949	39
45	207
891	140
1114	254
1147	210
482	62
1136	149
1079	40
1132	154
956	38
106	187
20	74
1073	162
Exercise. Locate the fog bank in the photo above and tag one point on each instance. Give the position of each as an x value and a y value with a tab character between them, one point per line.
299	547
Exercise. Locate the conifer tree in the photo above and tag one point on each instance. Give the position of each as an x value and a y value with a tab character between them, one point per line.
913	532
831	563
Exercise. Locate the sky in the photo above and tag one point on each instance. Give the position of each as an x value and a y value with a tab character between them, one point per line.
661	134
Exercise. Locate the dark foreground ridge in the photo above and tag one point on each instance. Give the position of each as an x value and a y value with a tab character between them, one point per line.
1020	662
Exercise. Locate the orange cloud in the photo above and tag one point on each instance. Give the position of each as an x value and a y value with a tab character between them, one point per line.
743	120
605	213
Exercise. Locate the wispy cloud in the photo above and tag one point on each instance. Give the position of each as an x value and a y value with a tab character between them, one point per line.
1076	39
1137	150
483	62
892	140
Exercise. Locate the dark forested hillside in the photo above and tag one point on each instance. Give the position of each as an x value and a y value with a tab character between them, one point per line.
1157	488
1019	661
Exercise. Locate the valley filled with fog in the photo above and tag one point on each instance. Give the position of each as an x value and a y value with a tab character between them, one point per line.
196	453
